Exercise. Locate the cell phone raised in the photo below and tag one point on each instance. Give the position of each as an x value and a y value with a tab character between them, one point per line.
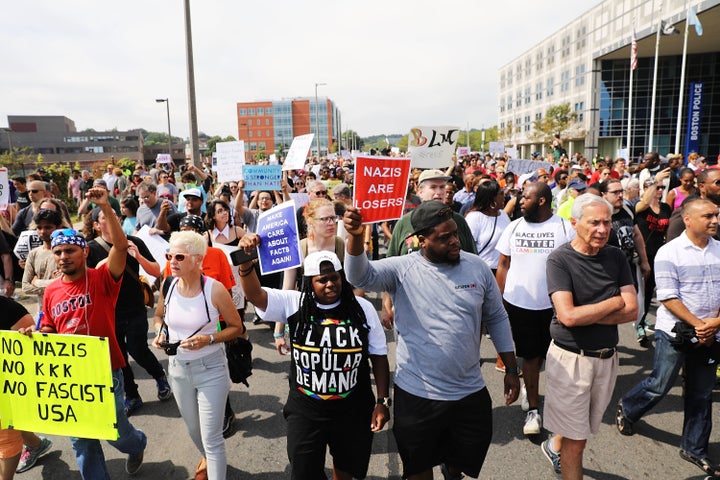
238	257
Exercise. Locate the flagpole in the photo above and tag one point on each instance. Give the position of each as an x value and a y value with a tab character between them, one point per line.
629	132
682	85
654	89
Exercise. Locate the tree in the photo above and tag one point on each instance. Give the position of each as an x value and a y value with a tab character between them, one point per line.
557	119
347	140
213	141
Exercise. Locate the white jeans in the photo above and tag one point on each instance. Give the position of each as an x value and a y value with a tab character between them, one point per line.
200	388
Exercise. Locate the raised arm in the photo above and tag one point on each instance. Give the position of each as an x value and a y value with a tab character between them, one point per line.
118	253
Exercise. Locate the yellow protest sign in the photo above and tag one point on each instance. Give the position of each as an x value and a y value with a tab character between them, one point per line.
57	384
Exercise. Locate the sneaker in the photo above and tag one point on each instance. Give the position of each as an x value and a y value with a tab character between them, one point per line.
447	475
524	404
533	423
643	341
649	327
228	422
164	390
132	405
624	425
551	455
134	462
30	455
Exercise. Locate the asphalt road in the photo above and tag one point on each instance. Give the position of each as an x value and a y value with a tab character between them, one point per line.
257	448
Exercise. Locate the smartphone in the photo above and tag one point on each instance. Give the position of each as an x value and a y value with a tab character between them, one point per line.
239	257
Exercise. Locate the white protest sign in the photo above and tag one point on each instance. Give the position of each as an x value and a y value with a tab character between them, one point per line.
230	160
163	158
298	152
272	160
432	147
462	151
4	189
158	247
496	147
300	199
346	154
395	150
512	152
621	153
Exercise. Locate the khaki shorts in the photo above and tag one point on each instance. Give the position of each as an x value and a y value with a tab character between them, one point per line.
577	392
11	443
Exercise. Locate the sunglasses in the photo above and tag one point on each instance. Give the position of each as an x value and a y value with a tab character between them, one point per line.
321	192
178	256
65	232
35	191
329	220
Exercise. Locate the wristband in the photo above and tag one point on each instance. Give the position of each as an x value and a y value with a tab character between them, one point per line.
278	335
511	371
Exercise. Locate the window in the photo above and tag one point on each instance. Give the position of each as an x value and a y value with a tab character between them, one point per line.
261	146
538	116
253	146
267	122
250	133
518	72
243	112
551	54
251	112
580	111
580	75
267	133
550	87
502	80
565	81
518	98
538	91
260	111
259	133
527	95
268	111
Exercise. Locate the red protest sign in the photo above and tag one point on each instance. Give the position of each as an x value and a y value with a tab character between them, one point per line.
380	187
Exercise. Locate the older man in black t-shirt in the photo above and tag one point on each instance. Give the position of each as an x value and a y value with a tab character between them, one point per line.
592	292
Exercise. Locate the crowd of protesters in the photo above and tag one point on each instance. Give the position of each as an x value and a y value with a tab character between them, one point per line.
520	232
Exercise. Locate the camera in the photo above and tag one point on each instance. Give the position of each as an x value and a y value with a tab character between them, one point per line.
170	348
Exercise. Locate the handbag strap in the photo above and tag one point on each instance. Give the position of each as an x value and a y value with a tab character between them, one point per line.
207	309
101	241
491	235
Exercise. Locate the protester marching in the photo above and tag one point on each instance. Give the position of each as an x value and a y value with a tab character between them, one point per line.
373	280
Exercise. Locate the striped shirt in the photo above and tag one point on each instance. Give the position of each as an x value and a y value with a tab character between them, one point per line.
691	274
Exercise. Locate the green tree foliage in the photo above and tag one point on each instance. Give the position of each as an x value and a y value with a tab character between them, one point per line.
557	119
213	141
347	140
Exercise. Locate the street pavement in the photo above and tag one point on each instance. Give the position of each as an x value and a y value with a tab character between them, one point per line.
257	448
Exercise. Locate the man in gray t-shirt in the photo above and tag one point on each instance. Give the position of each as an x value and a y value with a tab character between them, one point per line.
592	291
442	296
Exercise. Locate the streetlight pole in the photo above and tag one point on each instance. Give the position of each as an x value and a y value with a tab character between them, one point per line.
192	107
317	123
166	101
247	136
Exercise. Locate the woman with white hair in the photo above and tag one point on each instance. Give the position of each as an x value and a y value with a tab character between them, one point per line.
186	323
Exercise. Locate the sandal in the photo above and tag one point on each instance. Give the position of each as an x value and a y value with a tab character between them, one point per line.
624	425
201	470
704	463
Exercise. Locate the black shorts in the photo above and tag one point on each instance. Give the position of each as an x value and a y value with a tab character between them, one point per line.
530	330
431	432
348	435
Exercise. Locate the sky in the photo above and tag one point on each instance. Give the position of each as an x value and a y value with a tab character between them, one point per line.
388	65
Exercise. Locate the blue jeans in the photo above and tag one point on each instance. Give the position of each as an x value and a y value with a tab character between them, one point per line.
699	382
88	451
201	388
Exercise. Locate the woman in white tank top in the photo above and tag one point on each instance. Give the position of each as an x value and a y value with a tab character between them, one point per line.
186	324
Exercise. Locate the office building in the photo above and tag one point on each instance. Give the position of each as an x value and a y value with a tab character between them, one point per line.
57	139
586	64
269	126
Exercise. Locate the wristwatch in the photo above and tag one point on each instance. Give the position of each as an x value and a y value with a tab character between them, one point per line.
212	340
386	401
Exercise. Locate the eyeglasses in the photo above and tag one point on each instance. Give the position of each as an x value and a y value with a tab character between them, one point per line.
329	220
660	187
233	186
301	184
64	232
178	256
35	191
615	192
320	193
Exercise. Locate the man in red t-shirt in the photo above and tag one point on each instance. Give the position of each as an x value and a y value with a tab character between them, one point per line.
82	302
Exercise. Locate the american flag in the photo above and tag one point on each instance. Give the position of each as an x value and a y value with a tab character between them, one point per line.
633	52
